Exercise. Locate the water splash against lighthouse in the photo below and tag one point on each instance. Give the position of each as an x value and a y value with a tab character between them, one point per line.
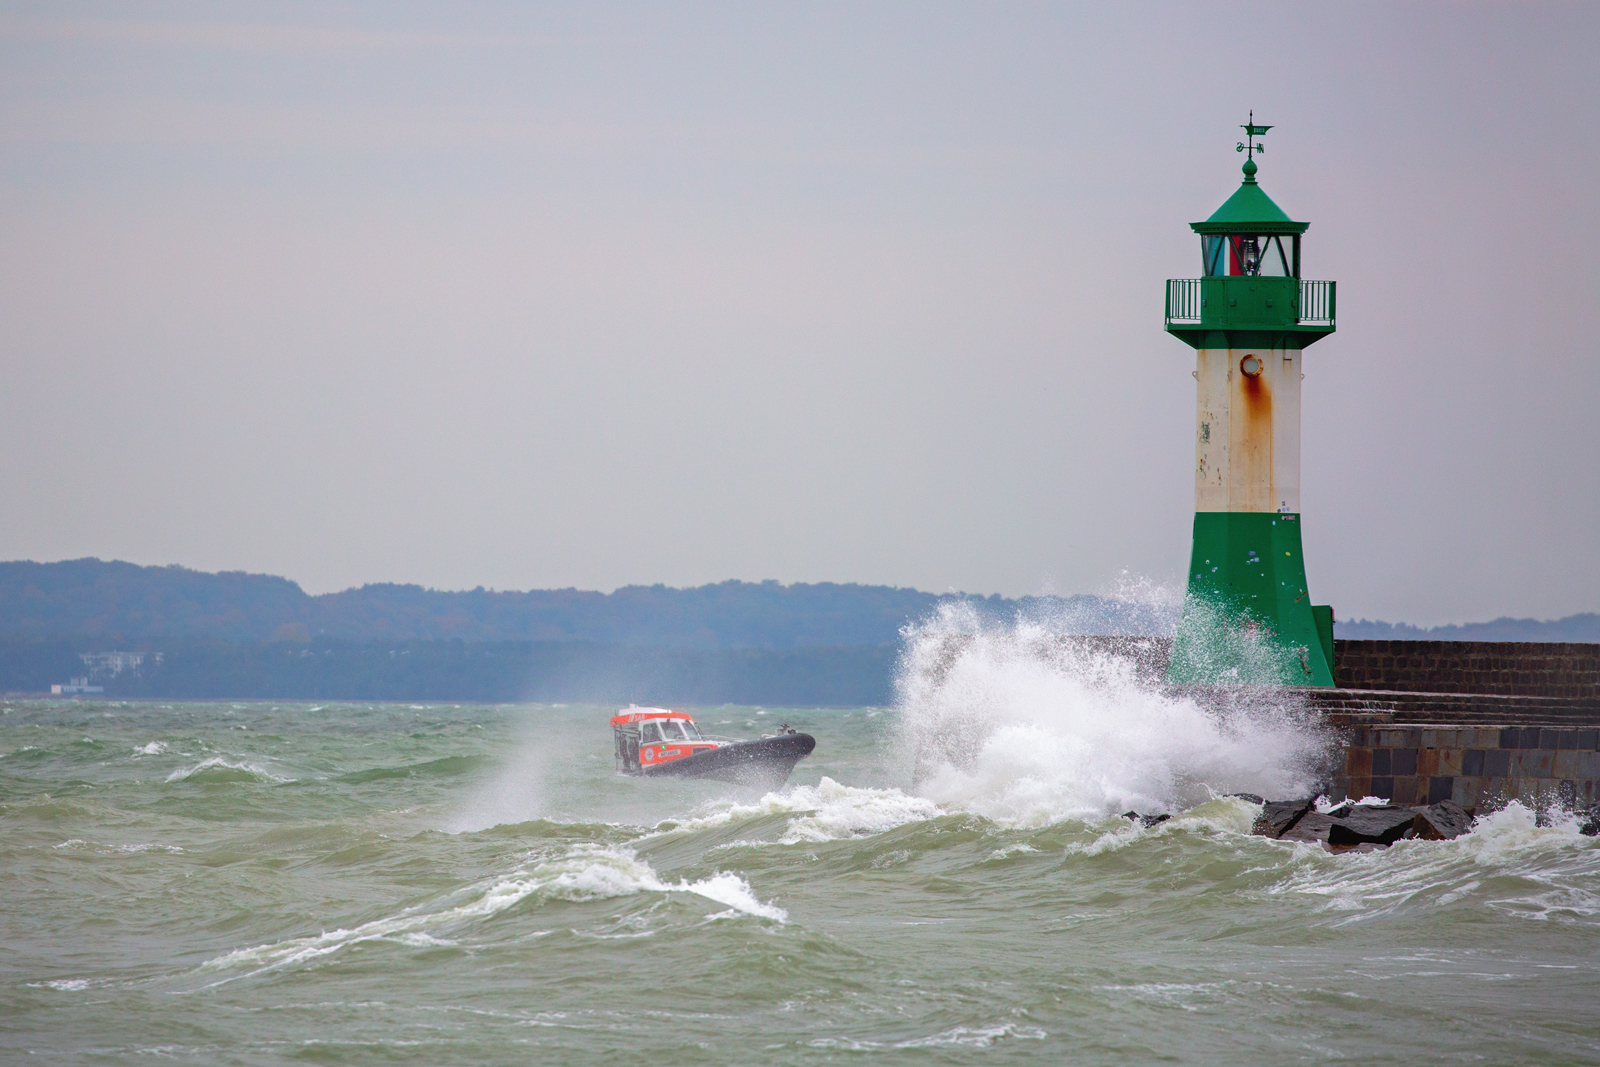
1023	723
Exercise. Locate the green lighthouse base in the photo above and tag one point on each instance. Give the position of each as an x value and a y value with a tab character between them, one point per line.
1247	618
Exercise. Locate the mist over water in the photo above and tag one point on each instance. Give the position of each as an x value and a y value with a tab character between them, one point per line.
943	881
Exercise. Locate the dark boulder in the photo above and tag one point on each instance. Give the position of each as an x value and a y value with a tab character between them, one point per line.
1442	821
1382	825
1590	827
1251	797
1313	827
1147	820
1279	816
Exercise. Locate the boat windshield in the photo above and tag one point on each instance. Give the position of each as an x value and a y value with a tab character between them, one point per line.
650	733
678	730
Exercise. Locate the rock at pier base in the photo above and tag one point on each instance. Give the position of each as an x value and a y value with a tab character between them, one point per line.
1311	827
1147	820
1363	827
1364	823
1443	821
1279	816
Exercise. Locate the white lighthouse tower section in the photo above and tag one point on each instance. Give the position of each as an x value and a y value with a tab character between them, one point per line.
1247	430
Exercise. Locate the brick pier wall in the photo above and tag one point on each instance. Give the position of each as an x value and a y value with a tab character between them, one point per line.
1507	668
1477	722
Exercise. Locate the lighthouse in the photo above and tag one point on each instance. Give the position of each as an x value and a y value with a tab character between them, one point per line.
1247	614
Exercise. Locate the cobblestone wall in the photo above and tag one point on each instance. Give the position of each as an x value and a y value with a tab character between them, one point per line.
1476	768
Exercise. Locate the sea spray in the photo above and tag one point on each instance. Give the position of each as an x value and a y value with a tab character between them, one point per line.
1022	723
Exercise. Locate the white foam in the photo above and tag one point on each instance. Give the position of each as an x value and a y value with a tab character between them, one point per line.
69	985
218	767
585	872
154	748
975	1036
1018	725
827	811
1540	873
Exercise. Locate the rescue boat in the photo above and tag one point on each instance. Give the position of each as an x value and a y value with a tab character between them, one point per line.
660	743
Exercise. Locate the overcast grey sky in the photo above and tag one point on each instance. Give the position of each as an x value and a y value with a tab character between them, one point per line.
592	294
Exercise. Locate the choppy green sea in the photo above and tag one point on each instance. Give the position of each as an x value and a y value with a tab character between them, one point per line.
255	883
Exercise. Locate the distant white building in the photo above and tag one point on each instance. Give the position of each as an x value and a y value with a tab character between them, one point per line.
114	663
76	687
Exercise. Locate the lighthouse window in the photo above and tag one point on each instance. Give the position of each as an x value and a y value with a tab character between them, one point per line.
1238	255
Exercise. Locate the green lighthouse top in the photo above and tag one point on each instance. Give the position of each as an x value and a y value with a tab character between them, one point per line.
1250	209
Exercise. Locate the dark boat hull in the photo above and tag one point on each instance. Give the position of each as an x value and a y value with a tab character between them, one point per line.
767	761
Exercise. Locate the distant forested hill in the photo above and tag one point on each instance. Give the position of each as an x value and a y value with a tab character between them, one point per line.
122	600
1583	628
116	601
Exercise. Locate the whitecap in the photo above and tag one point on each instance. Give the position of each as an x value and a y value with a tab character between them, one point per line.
975	1036
221	769
1557	867
69	985
584	873
827	811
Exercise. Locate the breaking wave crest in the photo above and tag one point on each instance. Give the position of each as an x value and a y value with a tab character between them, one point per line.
218	770
827	811
584	873
1024	725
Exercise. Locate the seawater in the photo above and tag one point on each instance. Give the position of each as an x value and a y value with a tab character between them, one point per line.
946	881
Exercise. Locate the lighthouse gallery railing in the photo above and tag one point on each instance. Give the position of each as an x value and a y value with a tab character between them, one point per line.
1184	304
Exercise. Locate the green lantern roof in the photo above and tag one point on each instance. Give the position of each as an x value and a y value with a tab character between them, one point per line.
1249	210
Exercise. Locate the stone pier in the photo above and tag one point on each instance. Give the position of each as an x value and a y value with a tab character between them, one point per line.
1477	723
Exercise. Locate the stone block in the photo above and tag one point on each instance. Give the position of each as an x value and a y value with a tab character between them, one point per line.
1472	761
1314	826
1403	761
1358	762
1587	765
1441	821
1510	737
1359	787
1380	760
1405	789
1427	761
1278	816
1469	790
1441	787
1382	826
1564	764
1588	740
1550	739
1532	763
1566	739
1497	762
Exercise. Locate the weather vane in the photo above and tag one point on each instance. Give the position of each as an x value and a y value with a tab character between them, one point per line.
1251	132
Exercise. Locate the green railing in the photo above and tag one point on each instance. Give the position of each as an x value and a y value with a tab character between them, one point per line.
1316	304
1185	305
1183	301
